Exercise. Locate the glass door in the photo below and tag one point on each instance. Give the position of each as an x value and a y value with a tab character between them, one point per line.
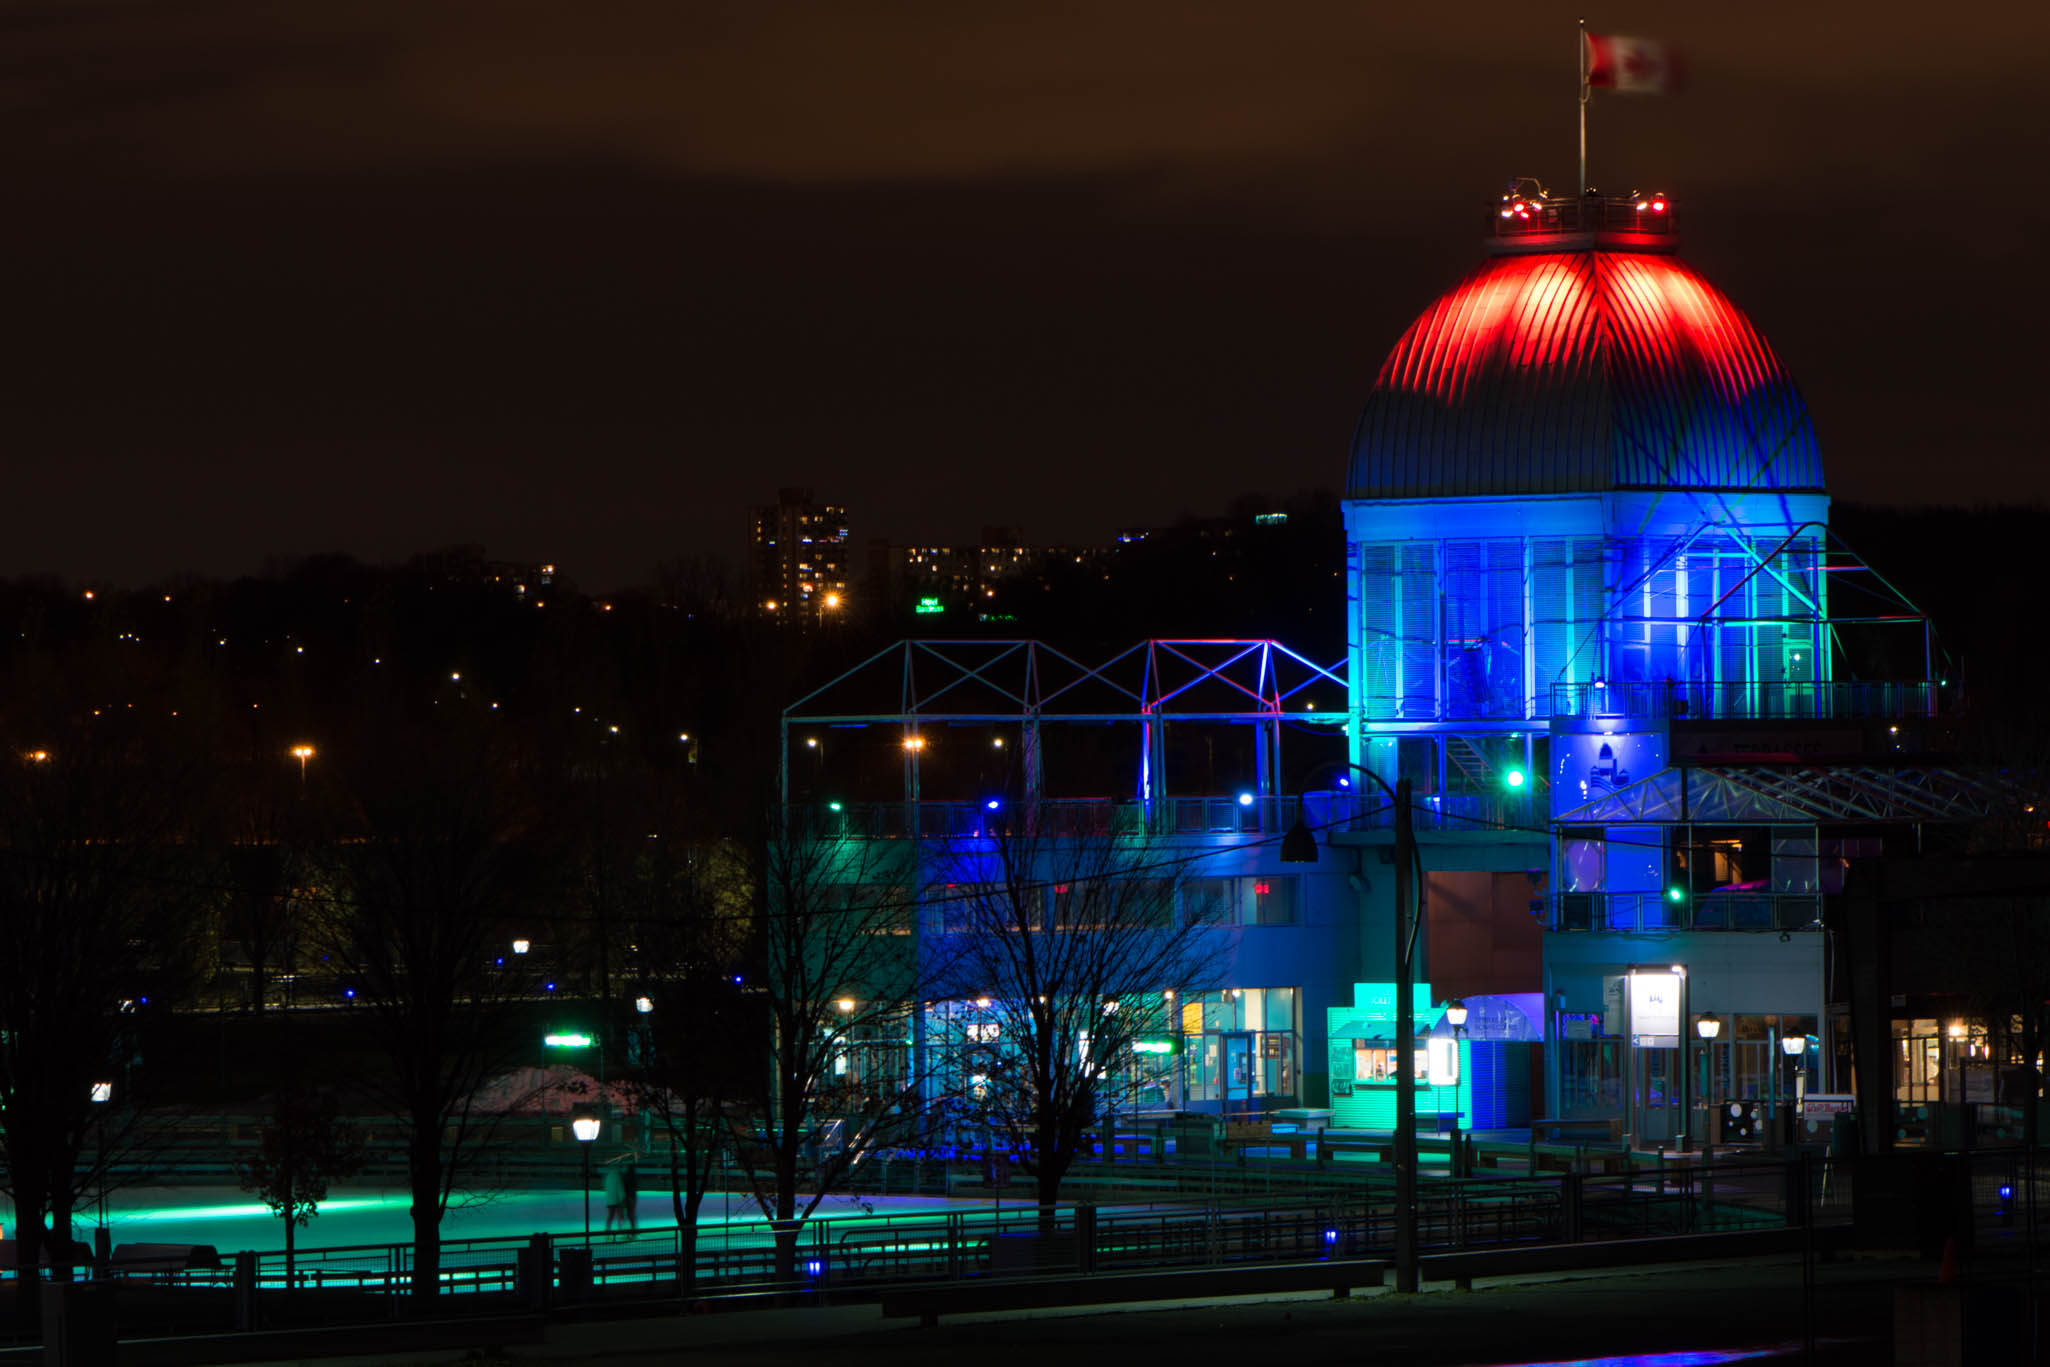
1238	1073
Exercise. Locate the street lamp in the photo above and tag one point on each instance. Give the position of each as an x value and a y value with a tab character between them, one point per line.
1795	1047
302	753
586	1128
1708	1027
102	1093
1455	1014
1299	846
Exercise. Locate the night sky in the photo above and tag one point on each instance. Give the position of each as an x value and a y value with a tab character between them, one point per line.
582	281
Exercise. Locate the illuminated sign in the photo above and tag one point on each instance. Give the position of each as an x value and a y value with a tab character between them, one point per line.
1655	1010
1152	1046
572	1040
929	605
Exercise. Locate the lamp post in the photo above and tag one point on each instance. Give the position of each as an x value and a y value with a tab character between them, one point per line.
1708	1027
1455	1015
1299	846
586	1128
1795	1047
102	1093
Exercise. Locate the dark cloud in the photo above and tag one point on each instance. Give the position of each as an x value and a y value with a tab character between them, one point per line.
581	285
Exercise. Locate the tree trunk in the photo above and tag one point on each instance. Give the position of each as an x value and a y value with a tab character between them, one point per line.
424	1168
687	1229
28	1251
291	1227
60	1237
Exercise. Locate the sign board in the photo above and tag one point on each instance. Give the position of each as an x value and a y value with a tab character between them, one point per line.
1821	1105
1613	999
1655	1010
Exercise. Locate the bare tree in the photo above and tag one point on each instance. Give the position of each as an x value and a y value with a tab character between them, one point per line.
687	1050
305	1146
441	856
106	911
840	975
1063	948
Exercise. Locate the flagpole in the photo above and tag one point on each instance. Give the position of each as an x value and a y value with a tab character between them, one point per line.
1580	56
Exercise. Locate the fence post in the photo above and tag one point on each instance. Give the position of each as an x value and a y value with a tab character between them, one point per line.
1085	1237
245	1292
1569	1206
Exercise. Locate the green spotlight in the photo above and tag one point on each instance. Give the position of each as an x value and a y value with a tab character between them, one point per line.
1676	894
1514	778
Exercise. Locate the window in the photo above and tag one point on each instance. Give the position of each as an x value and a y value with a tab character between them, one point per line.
1274	901
1265	900
1208	901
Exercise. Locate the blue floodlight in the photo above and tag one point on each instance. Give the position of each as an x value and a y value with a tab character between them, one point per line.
1344	782
993	804
1245	799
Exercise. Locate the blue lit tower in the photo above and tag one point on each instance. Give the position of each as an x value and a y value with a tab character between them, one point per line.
1571	470
1590	618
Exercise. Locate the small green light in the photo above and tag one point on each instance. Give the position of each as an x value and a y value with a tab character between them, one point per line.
1676	894
832	806
1514	778
571	1040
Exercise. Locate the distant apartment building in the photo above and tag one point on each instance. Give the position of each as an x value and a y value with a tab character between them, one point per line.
972	580
797	558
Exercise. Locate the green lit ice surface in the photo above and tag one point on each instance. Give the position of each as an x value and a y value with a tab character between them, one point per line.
230	1220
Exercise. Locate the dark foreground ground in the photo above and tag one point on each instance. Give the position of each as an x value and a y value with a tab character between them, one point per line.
1754	1308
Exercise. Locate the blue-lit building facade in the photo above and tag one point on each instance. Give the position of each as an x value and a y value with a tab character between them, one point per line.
1596	618
1588	542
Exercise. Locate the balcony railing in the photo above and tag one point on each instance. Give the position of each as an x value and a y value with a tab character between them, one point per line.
1797	701
1324	812
1655	911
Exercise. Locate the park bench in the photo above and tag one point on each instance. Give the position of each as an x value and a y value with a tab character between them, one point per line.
1242	1136
928	1303
1461	1268
1590	1127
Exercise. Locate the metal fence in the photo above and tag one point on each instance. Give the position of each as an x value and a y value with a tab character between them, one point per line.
1350	1212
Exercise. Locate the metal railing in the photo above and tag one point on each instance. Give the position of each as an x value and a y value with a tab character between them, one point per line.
1655	911
1790	701
1545	215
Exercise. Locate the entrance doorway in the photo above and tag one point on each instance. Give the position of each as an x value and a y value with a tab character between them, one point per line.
1655	1116
1237	1081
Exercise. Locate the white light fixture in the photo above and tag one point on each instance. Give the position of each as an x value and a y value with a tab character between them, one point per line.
1709	1026
644	1005
103	1091
846	1003
521	946
1793	1046
586	1128
1455	1013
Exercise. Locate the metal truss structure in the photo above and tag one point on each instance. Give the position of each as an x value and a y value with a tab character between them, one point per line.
1260	683
1768	794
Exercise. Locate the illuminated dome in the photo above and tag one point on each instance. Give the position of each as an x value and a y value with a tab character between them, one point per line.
1582	363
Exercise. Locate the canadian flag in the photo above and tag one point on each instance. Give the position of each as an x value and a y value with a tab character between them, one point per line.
1630	66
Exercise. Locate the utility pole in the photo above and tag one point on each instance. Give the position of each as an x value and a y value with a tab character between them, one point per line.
1405	1046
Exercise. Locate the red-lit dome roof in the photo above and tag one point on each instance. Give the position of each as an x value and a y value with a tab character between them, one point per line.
1575	371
